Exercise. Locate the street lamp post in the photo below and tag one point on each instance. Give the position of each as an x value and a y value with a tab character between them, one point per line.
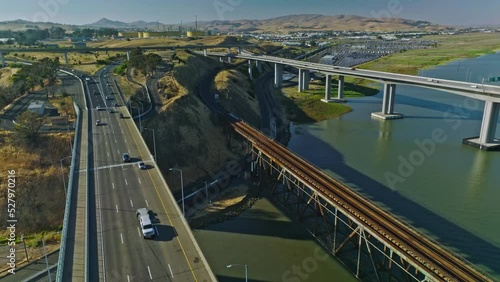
154	140
182	189
246	269
142	111
62	173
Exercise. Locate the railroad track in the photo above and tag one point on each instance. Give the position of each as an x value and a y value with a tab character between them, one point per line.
444	265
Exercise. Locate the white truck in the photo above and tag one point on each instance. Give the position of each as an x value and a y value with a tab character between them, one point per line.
147	228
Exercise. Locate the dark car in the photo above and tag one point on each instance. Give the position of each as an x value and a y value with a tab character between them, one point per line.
126	157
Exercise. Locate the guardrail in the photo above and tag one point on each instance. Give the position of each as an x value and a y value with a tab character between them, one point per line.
67	209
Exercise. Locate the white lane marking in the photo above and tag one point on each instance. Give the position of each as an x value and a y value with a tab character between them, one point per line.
116	142
150	276
158	233
139	231
147	204
132	204
113	184
118	151
113	131
108	154
128	278
106	142
121	236
126	141
139	180
126	182
171	273
116	208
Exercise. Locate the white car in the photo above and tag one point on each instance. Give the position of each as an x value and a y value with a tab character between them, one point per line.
98	122
141	165
147	228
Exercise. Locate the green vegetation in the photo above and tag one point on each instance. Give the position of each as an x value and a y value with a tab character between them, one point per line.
31	75
449	47
28	125
307	106
121	69
147	64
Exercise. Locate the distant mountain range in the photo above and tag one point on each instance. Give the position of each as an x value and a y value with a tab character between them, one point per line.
280	24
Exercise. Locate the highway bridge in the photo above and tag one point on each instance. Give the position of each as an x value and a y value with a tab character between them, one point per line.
387	248
101	238
127	50
490	94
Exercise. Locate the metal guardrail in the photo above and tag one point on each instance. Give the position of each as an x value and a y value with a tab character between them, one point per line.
67	209
87	213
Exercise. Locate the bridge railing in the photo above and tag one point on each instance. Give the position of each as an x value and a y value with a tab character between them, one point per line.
67	209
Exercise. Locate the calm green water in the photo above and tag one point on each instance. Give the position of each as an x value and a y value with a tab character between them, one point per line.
417	166
451	191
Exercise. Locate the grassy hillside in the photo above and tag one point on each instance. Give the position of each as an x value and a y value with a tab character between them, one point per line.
188	136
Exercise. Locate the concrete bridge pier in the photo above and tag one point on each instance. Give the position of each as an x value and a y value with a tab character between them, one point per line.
328	90
306	76
205	52
229	60
278	75
258	64
128	55
250	69
388	104
2	58
65	54
221	59
300	85
486	140
239	50
303	80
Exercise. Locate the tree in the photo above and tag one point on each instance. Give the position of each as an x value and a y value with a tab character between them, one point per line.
57	32
28	125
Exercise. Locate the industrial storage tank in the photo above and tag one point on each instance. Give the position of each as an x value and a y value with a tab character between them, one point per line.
195	33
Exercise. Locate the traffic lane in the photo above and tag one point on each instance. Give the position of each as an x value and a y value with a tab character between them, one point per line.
129	226
187	262
118	217
186	256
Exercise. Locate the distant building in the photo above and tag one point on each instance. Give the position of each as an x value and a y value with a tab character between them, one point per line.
79	45
38	107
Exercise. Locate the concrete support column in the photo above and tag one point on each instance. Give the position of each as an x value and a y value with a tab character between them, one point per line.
258	64
489	124
205	52
305	79
250	69
239	50
278	75
486	140
341	87
385	99
221	59
229	50
388	104
328	87
2	58
128	55
66	58
392	97
229	60
300	79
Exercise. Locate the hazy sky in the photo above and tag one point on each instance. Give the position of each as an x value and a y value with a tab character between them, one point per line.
451	12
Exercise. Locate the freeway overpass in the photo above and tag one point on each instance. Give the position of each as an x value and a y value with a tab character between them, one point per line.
65	51
101	237
488	93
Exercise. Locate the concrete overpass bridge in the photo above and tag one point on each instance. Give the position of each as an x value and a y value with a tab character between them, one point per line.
127	50
490	94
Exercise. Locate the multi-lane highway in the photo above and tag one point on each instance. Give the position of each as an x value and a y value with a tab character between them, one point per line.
117	249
